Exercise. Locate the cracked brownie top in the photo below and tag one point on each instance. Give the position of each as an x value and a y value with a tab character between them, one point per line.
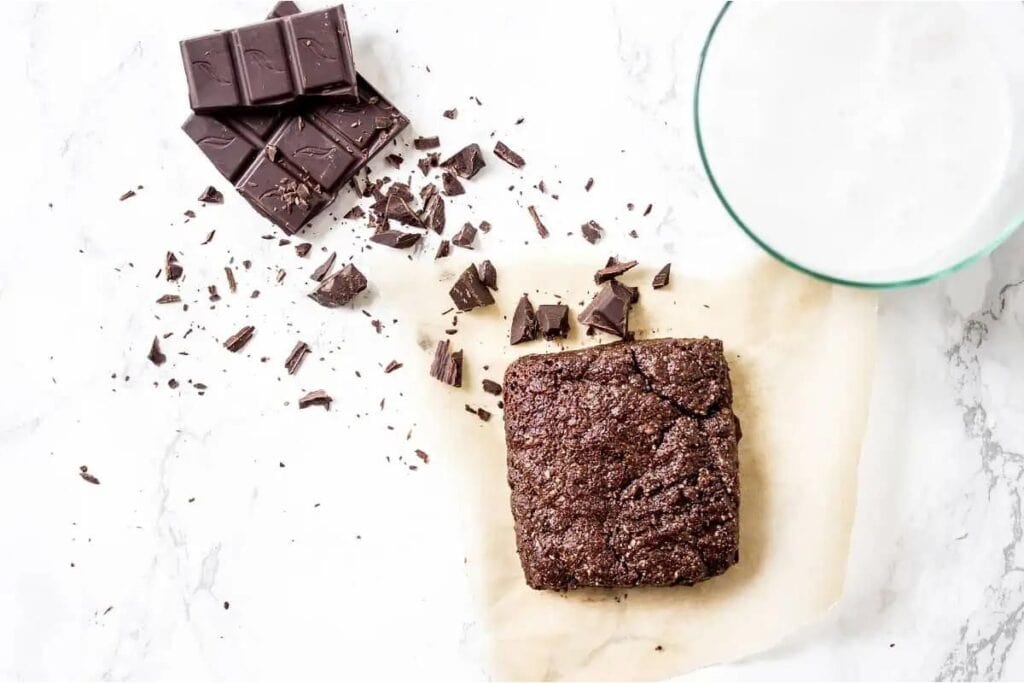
622	460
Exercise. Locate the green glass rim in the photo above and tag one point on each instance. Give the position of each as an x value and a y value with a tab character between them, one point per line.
868	284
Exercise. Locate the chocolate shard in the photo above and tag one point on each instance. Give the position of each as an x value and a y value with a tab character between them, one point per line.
488	275
467	162
450	113
447	367
553	320
427	143
324	268
592	232
156	356
391	367
172	269
396	239
239	339
661	279
427	191
209	238
316	398
211	195
433	214
541	229
609	311
613	269
397	206
492	387
469	292
524	322
169	299
443	249
502	151
303	249
296	357
340	288
355	213
465	236
451	185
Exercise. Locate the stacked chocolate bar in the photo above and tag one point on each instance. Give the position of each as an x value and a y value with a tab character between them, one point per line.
281	112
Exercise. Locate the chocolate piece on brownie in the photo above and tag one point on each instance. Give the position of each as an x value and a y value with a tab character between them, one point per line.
622	460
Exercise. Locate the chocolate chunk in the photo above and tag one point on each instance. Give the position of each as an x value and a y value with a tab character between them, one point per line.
340	288
296	357
433	214
422	455
189	213
541	230
450	113
524	322
661	279
488	275
467	162
156	356
303	249
592	232
502	151
355	213
324	268
396	239
447	367
394	160
469	292
483	414
613	269
397	206
391	367
426	143
316	398
230	275
127	195
443	249
239	339
609	311
169	299
451	185
492	387
172	269
553	320
211	195
465	236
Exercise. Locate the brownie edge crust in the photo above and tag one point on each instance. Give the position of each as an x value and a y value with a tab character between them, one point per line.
622	460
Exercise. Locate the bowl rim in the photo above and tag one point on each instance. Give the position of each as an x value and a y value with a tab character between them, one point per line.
983	251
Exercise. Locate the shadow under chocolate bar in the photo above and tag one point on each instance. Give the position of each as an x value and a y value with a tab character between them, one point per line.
291	162
286	57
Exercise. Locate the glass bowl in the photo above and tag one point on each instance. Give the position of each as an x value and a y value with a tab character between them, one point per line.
868	144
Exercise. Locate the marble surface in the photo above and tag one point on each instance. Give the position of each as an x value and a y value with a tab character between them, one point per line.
233	536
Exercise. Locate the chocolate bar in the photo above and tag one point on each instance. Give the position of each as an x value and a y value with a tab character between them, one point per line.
290	164
274	62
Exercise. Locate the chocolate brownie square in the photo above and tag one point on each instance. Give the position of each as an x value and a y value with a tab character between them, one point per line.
622	460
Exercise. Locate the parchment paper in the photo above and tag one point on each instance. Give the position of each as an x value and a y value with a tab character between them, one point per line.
801	354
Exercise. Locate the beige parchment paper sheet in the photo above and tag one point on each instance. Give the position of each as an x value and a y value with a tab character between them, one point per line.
801	354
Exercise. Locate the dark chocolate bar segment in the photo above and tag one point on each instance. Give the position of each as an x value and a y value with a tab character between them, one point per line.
274	62
290	165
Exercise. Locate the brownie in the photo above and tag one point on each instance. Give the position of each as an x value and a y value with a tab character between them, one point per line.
622	460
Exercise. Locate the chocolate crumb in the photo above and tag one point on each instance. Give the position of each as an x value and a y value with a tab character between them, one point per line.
83	472
450	113
590	184
156	356
303	249
485	226
422	456
239	339
127	195
394	160
483	414
190	213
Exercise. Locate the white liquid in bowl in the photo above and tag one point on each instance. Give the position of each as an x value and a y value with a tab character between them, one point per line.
866	141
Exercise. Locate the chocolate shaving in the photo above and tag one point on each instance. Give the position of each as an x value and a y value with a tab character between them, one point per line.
316	398
427	143
230	275
391	367
169	299
592	232
303	249
209	238
662	277
488	275
156	356
465	236
340	288
324	268
491	387
502	151
239	339
443	249
172	269
613	269
447	367
647	211
541	230
553	320
396	239
211	195
451	185
469	292
296	357
524	322
467	162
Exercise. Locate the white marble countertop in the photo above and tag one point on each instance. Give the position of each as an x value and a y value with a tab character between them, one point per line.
235	537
